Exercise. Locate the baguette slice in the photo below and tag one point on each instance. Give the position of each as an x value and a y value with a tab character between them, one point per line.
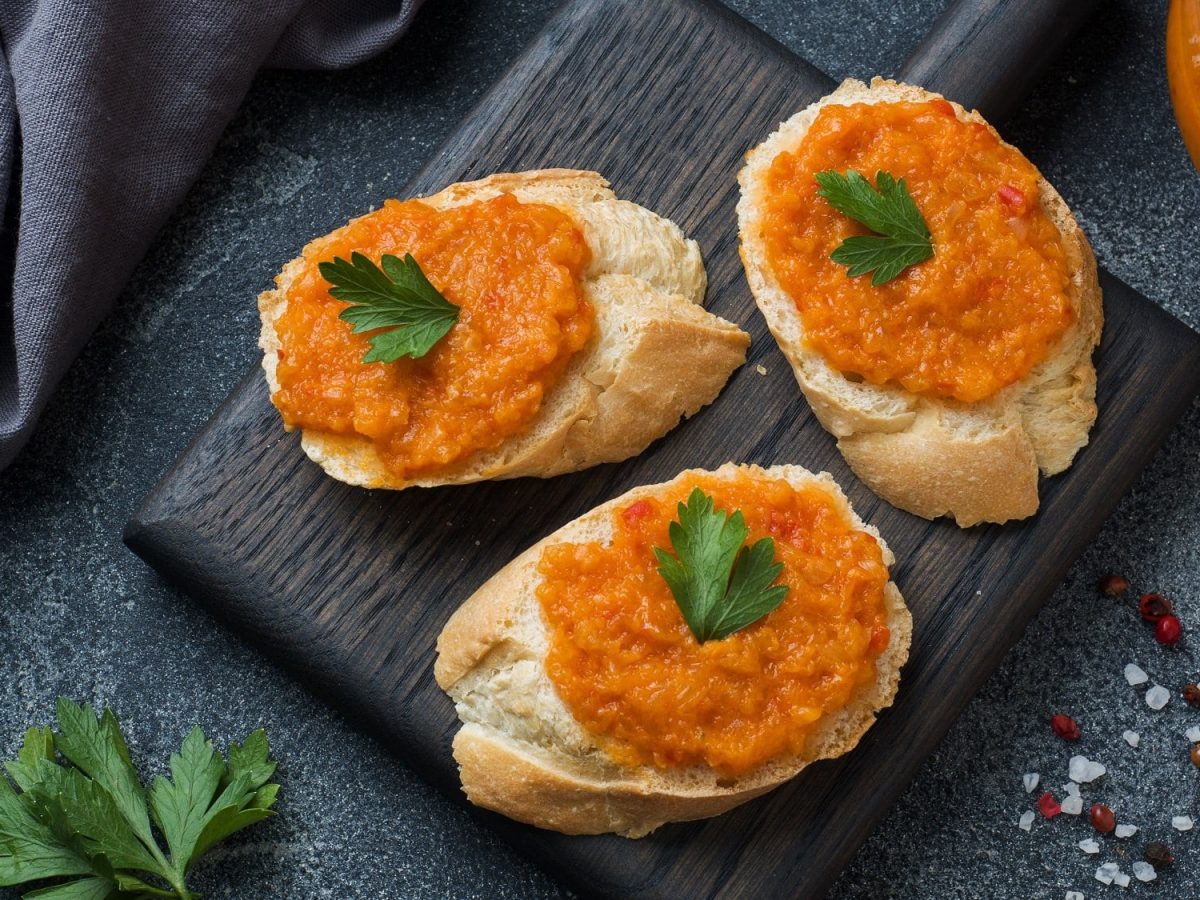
977	462
520	751
656	356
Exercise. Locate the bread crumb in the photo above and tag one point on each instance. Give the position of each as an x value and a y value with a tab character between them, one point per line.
761	370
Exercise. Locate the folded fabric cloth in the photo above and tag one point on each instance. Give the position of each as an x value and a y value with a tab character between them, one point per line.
108	111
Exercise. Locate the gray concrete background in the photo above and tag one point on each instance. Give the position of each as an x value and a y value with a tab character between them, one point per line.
79	615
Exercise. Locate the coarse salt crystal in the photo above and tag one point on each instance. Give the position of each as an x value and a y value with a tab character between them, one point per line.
1074	895
1121	879
1193	734
1107	872
1071	788
1072	805
1143	871
1181	823
1026	823
1083	770
1124	831
1135	675
1131	738
1089	845
1157	697
1031	780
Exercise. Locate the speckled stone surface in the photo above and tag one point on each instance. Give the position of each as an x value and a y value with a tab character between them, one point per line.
79	615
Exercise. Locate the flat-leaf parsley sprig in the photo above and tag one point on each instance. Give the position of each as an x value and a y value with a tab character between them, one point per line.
721	585
76	809
394	300
901	236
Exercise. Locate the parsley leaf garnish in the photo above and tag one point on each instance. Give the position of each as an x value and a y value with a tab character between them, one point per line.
75	808
397	297
901	236
720	585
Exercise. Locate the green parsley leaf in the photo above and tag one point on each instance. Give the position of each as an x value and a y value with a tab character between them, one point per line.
89	816
95	815
83	889
902	238
189	811
29	849
406	313
720	585
97	748
139	888
252	759
38	746
180	806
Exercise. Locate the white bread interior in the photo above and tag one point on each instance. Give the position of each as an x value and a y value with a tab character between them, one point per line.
656	355
520	751
977	462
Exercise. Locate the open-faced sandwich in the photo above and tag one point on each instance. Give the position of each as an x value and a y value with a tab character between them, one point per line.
525	324
674	652
934	295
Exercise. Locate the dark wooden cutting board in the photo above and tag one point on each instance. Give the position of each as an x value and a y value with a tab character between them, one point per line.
349	588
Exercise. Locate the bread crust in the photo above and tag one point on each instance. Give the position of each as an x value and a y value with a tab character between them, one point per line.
977	462
657	356
521	753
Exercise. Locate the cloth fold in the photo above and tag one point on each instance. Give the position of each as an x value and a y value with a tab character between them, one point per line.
109	109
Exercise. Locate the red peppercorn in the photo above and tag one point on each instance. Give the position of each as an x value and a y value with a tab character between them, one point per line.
635	512
1195	755
1013	198
1048	806
1102	818
1154	606
1065	727
1159	854
1113	585
1191	694
1168	631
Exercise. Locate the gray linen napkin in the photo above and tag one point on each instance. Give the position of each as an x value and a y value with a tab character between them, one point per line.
108	111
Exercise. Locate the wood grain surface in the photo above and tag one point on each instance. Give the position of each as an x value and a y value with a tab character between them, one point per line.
987	54
349	588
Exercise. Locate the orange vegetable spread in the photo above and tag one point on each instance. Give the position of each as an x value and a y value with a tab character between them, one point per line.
1183	70
975	318
513	269
626	665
